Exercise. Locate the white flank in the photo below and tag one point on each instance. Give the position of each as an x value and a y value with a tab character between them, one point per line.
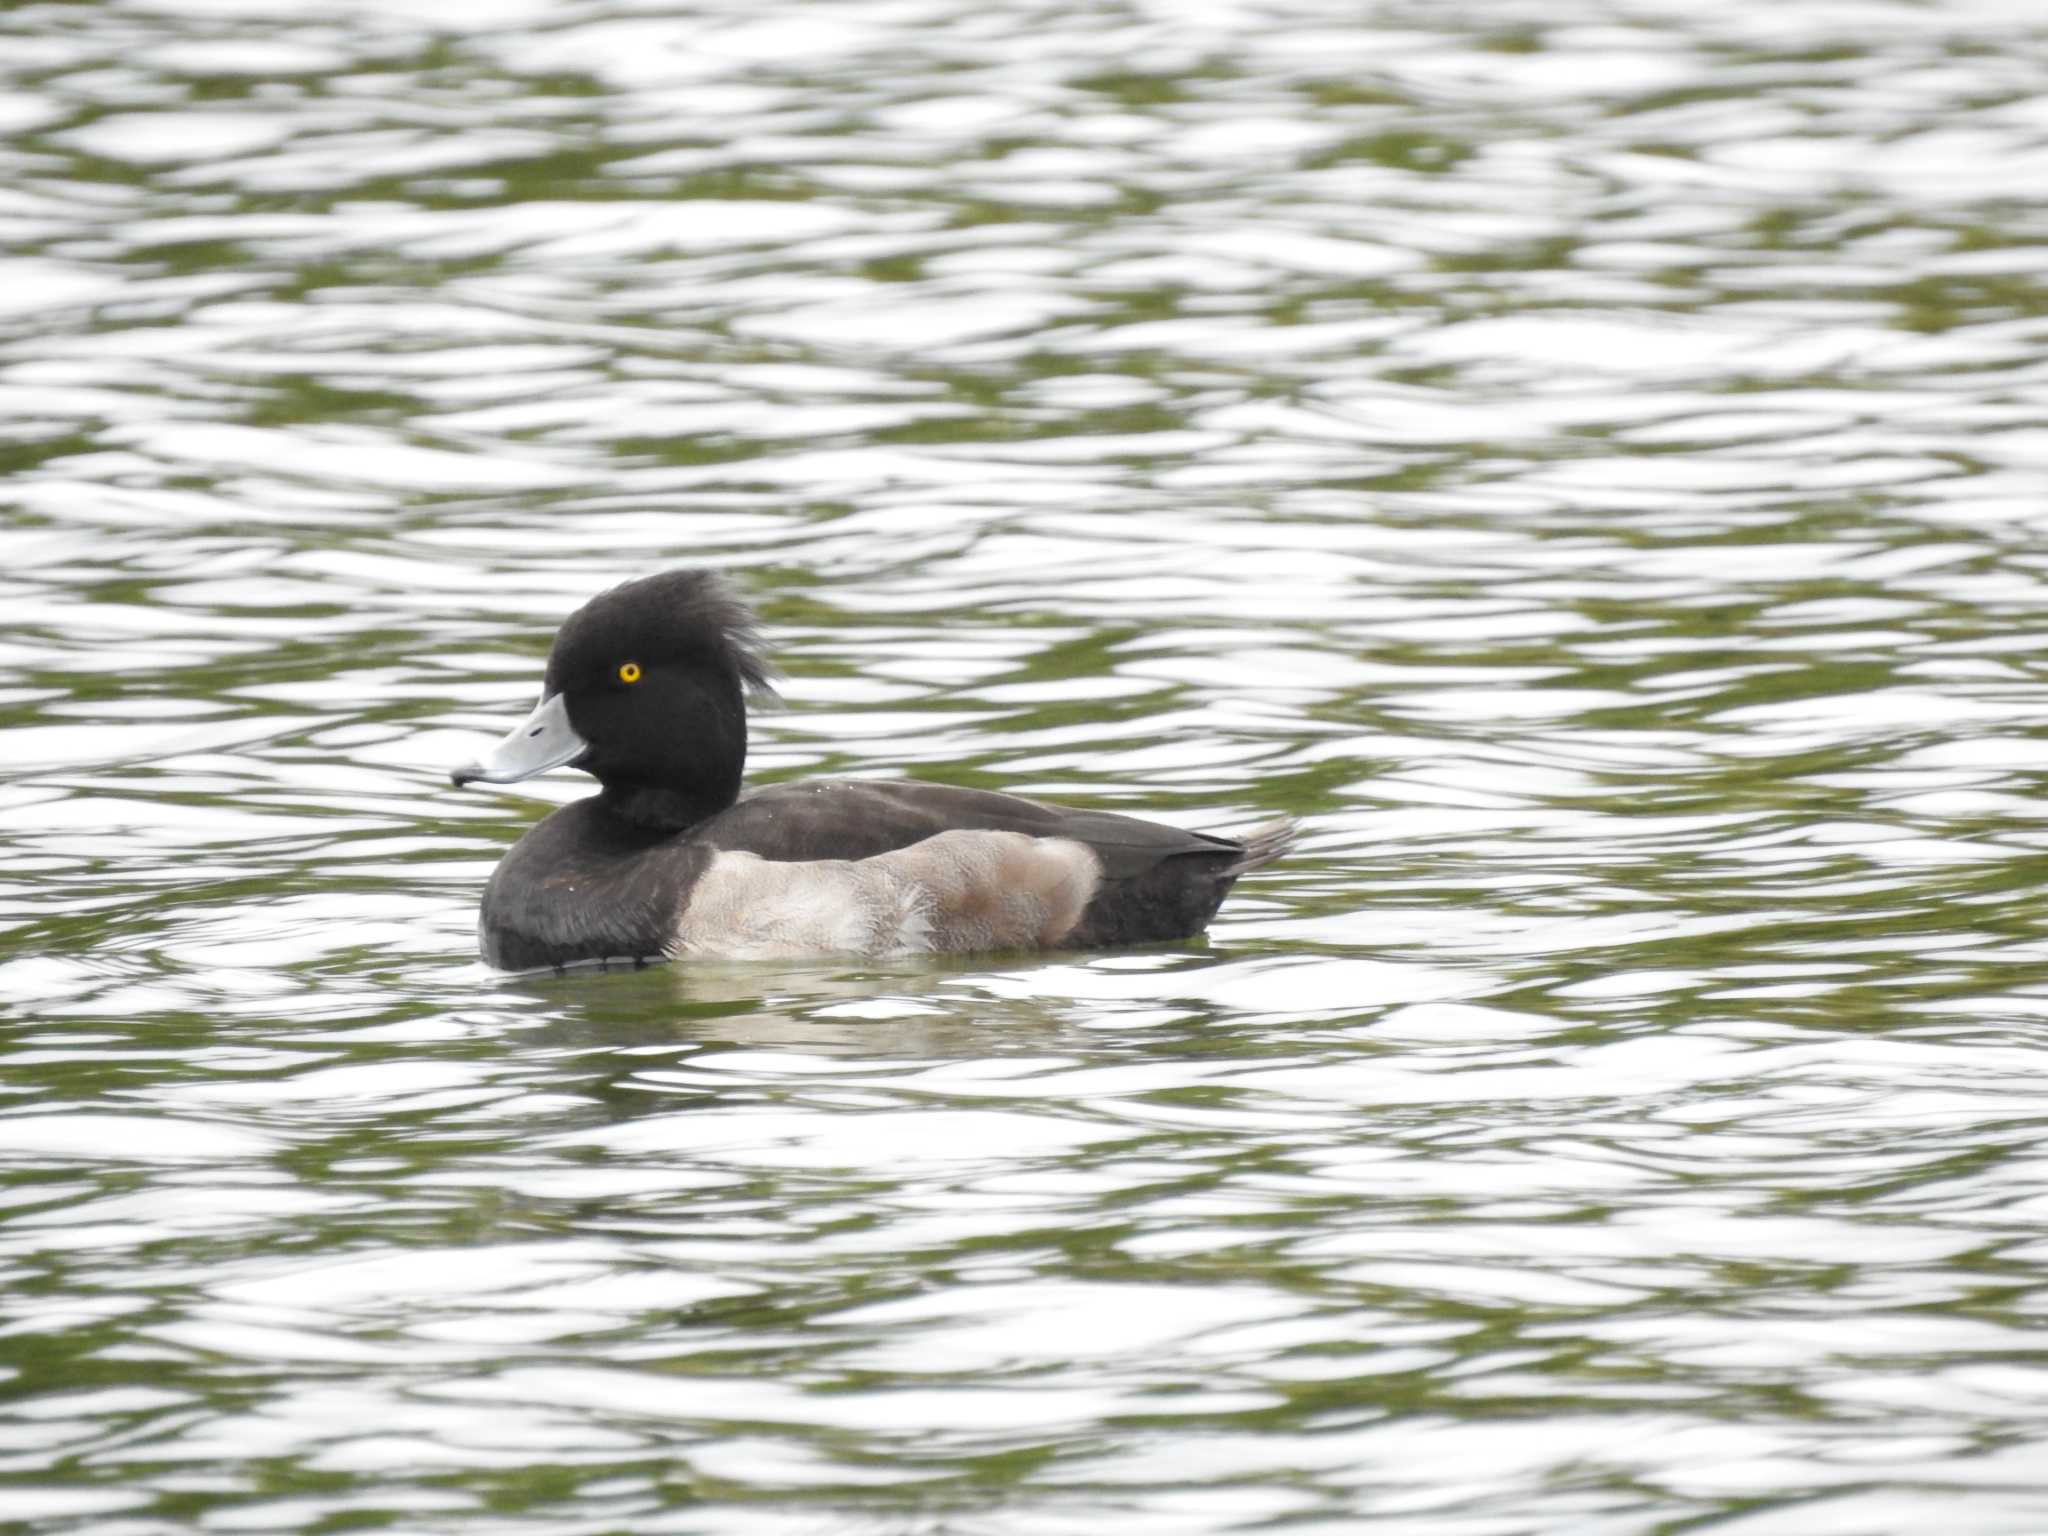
953	893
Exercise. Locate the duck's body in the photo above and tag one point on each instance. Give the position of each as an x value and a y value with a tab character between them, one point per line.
855	868
644	689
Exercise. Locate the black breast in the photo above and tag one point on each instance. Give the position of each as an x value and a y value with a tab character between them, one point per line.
584	885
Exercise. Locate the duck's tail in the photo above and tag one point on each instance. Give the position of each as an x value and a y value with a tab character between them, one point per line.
1263	844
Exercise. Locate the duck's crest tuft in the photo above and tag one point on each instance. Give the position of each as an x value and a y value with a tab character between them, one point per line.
674	613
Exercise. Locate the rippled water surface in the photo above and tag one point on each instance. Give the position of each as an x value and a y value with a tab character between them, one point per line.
1585	459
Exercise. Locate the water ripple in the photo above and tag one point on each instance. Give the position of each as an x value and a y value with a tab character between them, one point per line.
1585	462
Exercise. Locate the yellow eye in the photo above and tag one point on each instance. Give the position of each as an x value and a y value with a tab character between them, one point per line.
629	672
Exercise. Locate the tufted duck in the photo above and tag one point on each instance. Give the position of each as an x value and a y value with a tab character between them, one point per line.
645	690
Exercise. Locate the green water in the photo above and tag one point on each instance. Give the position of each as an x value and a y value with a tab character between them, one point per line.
1585	460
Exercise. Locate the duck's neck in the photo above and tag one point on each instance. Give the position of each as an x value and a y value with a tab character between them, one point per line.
666	807
677	794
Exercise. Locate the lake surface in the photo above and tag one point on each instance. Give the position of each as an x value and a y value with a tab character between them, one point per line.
1587	460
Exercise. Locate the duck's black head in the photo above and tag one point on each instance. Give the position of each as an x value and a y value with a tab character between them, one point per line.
645	690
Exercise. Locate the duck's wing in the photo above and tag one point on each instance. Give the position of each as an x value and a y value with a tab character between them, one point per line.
1150	882
859	818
